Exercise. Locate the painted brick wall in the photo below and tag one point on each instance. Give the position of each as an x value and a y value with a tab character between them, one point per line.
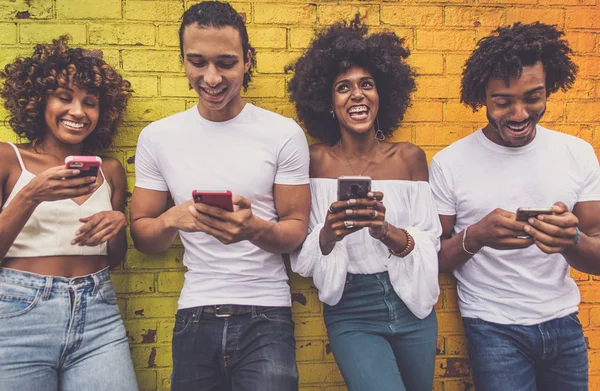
139	37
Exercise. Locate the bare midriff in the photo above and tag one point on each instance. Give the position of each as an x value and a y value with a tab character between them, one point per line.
62	266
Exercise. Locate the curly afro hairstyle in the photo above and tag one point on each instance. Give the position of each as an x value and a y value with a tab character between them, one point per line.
337	49
504	54
218	14
28	81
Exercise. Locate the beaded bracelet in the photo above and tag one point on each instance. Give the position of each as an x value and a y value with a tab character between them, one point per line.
409	243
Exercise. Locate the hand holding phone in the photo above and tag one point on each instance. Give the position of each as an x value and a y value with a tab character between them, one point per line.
353	187
220	199
87	165
523	214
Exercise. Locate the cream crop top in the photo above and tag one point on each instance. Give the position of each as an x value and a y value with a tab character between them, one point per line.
53	224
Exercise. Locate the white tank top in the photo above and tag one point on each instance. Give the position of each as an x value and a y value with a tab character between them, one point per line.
53	224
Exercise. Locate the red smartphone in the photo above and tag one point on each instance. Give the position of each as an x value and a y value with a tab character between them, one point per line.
523	214
353	187
220	199
87	165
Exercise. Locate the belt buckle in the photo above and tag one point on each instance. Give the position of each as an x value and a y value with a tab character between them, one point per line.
219	315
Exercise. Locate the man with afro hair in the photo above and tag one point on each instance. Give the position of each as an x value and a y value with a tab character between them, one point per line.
518	303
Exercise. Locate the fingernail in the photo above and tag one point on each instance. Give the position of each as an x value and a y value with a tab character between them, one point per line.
370	195
77	233
541	217
352	201
527	228
349	211
93	179
530	220
72	242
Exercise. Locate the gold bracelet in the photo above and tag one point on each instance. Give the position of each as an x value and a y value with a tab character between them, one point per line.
409	243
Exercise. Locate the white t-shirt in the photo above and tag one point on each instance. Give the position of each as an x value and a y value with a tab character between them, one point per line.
471	178
247	155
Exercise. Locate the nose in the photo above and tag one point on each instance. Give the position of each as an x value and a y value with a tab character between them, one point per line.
519	113
357	94
76	108
212	76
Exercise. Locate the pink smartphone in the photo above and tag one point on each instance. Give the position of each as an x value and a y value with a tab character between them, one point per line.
87	165
220	199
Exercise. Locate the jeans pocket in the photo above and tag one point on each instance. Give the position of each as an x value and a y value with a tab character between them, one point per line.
107	293
277	315
183	320
574	318
16	300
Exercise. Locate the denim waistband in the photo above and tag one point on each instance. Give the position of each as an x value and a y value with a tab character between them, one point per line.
381	276
39	281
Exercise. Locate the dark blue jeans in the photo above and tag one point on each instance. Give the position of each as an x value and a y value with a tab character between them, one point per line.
244	352
378	344
544	357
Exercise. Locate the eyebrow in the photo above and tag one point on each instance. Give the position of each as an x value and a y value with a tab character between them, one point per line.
361	79
526	93
221	56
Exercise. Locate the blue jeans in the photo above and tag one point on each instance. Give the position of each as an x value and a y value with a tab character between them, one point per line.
61	333
377	342
546	357
249	352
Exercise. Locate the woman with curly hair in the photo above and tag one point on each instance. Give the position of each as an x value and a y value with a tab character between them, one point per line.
60	231
374	260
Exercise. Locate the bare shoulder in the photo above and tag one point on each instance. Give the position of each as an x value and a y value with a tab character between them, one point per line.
113	170
320	158
8	158
413	157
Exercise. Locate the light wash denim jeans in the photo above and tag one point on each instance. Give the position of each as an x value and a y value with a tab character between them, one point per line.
253	352
550	356
377	342
62	334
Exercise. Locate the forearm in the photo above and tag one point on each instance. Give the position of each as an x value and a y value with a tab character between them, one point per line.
279	237
13	218
117	247
585	256
452	255
152	235
397	240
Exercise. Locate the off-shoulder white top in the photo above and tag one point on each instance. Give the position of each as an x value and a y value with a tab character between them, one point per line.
409	205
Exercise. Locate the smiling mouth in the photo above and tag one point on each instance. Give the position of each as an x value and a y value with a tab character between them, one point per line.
214	92
358	112
73	124
519	128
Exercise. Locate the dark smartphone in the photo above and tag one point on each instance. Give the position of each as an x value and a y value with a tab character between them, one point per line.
220	199
353	187
523	214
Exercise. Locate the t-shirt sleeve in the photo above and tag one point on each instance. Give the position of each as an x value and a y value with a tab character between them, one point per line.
147	173
293	158
591	173
442	194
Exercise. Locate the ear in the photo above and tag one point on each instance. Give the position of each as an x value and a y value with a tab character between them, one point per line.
248	61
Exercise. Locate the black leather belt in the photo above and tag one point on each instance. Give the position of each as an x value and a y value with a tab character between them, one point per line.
227	310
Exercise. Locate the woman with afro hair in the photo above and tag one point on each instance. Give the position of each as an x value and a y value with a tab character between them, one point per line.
61	229
373	259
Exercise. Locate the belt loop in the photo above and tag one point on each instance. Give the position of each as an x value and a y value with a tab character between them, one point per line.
197	315
96	283
47	288
253	311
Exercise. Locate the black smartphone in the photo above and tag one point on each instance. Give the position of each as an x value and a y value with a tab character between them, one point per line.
523	214
353	187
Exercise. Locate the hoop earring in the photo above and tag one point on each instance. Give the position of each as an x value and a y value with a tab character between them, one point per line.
332	114
379	135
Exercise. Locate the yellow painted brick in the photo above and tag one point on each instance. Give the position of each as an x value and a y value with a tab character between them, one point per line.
588	66
430	153
306	302
265	87
151	356
445	39
8	33
457	112
26	9
584	132
424	110
582	89
329	14
567	2
473	16
133	282
6	133
38	33
452	367
403	32
301	37
583	112
285	14
88	9
165	329
530	15
555	111
122	34
111	56
8	55
142	331
310	350
168	35
151	307
268	37
164	11
171	86
458	385
152	60
309	326
164	379
507	2
576	274
298	282
455	63
437	87
143	86
403	134
582	17
170	259
243	9
152	110
274	62
319	373
581	42
412	16
427	64
170	281
456	345
146	379
449	321
594	362
440	349
446	279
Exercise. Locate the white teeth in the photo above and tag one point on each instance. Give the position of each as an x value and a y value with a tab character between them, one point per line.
358	109
72	124
214	93
519	129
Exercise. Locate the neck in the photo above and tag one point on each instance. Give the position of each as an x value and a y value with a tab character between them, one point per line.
359	145
230	111
51	146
